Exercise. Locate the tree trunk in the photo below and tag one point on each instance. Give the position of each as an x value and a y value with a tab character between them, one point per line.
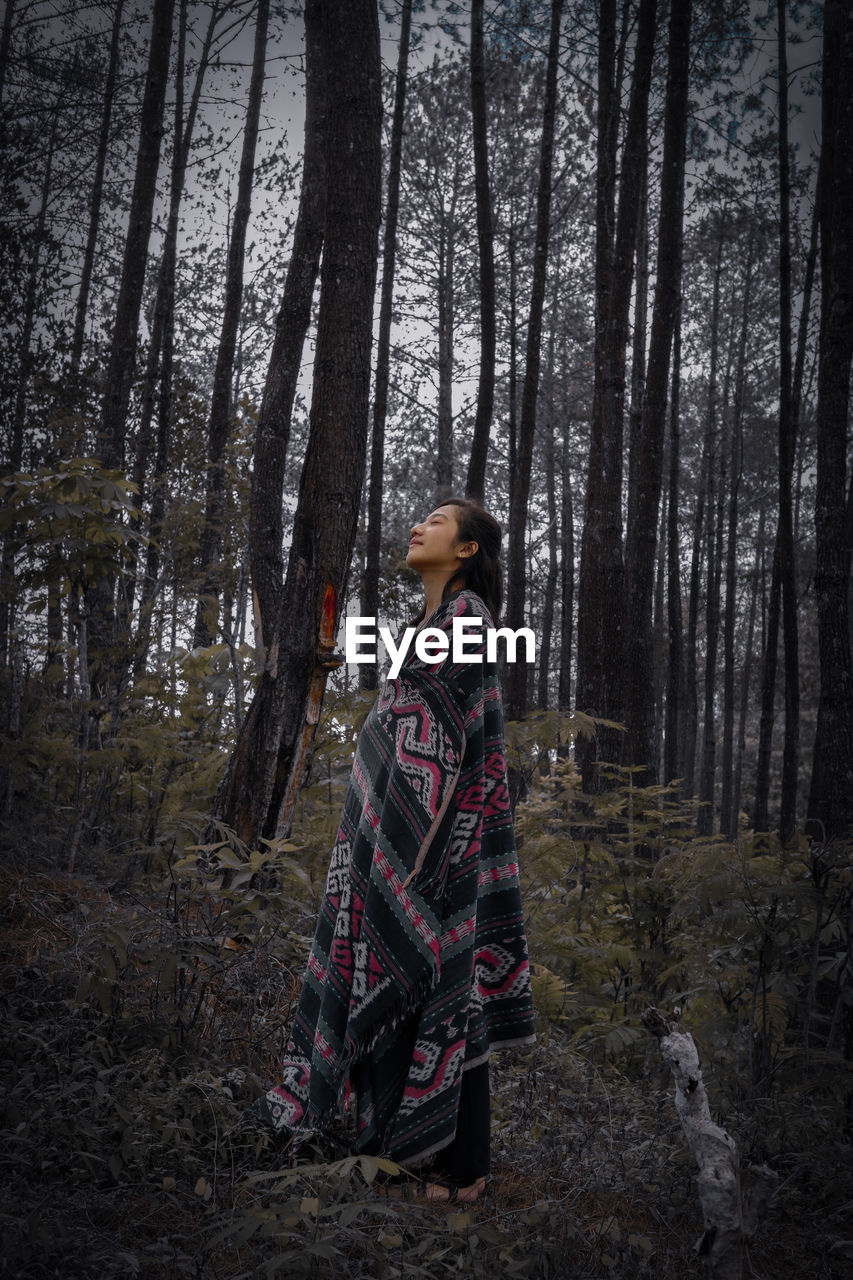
5	42
737	785
266	530
830	806
601	614
260	786
641	544
639	343
732	1213
787	453
446	309
512	372
705	816
164	299
659	631
691	664
107	648
760	812
219	422
476	481
158	365
368	673
516	691
551	494
674	714
567	577
120	364
96	196
728	813
19	410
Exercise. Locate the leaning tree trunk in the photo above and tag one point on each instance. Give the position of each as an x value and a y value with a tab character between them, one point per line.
516	691
272	435
476	481
830	808
260	786
370	595
641	543
733	1208
207	611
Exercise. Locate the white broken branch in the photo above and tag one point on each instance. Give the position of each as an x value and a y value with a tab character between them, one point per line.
731	1213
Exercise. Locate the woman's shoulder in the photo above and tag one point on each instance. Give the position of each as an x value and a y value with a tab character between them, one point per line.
467	604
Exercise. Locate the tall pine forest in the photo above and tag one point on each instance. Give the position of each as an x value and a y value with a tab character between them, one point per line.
277	278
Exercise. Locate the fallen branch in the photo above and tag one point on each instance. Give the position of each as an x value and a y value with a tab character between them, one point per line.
731	1213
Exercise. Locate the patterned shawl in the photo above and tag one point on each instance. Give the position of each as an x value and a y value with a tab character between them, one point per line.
419	963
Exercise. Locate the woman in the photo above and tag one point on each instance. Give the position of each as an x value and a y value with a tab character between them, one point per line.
419	964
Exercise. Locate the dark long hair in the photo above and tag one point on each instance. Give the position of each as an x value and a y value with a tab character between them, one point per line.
482	571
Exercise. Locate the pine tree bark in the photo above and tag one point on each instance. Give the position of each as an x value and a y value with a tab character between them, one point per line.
761	802
705	815
263	777
601	602
830	808
5	42
446	326
272	435
155	399
162	320
641	544
746	675
19	410
567	576
368	673
107	646
476	480
96	196
787	453
219	422
728	813
691	661
547	626
516	688
120	365
674	705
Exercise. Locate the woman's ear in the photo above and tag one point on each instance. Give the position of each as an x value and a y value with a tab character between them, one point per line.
467	550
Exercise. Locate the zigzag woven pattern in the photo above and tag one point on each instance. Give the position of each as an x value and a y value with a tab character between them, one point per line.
419	962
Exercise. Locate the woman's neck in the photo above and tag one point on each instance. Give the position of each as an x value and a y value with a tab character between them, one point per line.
434	586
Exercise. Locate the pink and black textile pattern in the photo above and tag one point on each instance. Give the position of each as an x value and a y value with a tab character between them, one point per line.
419	964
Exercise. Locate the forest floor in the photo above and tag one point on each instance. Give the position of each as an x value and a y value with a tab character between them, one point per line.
136	1034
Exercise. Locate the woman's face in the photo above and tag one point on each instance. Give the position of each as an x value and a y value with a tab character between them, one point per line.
435	544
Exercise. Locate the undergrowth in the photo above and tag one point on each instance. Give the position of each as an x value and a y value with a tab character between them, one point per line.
147	1004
